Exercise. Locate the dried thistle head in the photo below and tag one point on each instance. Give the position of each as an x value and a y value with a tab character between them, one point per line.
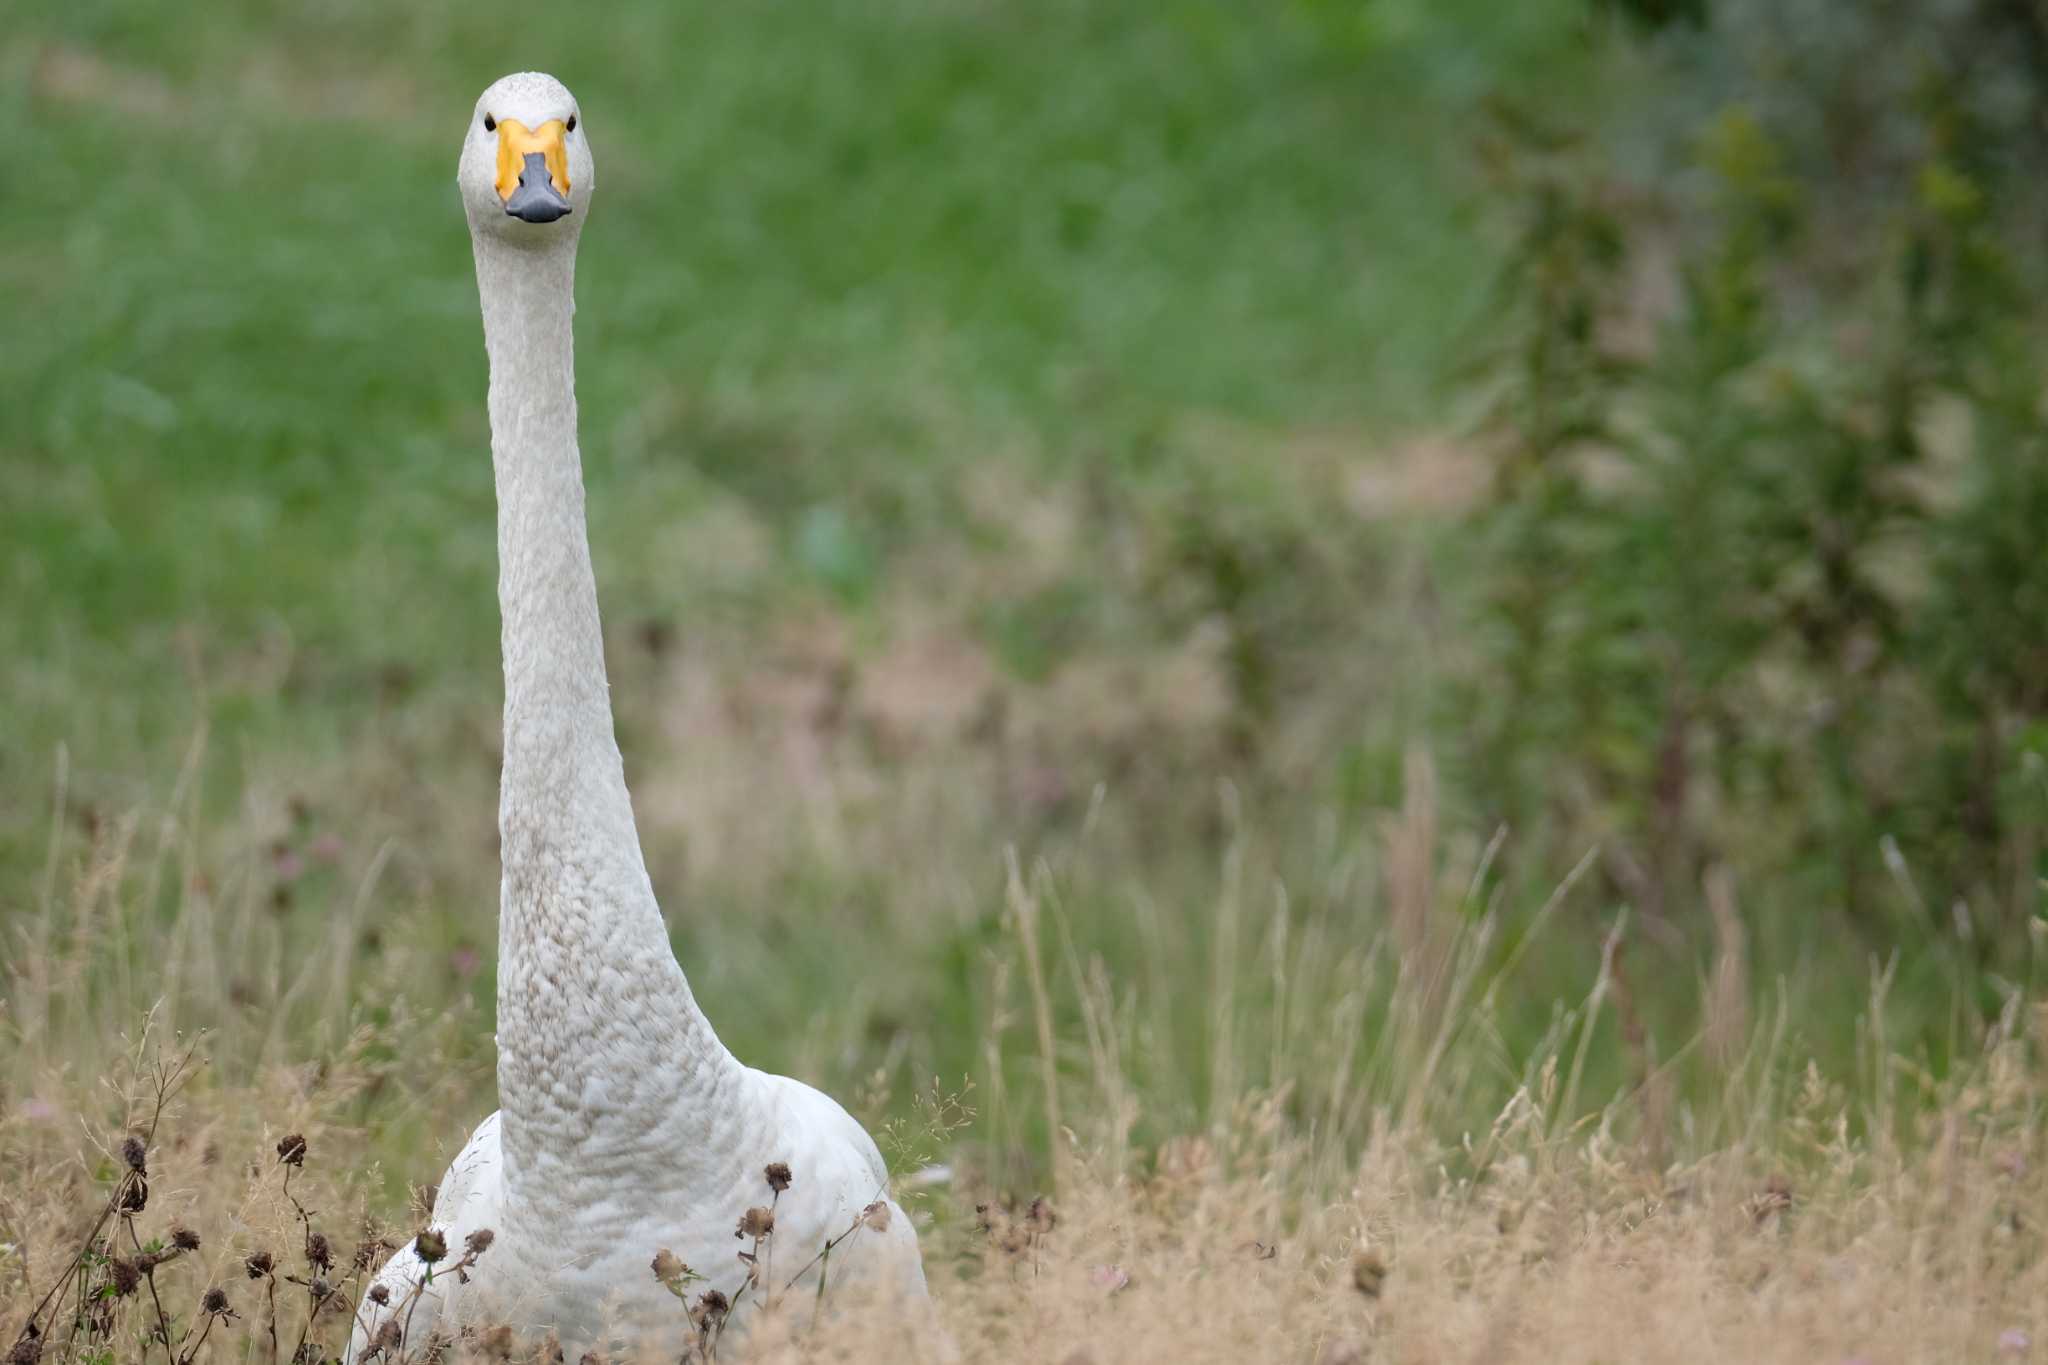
215	1302
318	1254
1368	1272
291	1149
669	1267
710	1310
756	1223
136	1196
430	1246
27	1348
875	1217
478	1242
184	1238
367	1249
389	1340
380	1294
259	1264
1040	1216
135	1154
778	1176
124	1275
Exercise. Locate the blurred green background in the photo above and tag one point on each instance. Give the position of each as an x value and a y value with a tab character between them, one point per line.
1300	475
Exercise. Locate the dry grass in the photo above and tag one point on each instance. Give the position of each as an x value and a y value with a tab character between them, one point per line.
1252	1242
1326	1204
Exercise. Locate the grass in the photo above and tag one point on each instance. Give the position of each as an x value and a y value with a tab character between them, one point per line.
1024	468
912	514
1885	1215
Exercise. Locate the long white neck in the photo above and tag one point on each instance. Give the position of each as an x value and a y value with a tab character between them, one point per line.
605	1063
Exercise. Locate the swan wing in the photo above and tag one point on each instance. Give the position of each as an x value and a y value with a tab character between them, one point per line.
469	1200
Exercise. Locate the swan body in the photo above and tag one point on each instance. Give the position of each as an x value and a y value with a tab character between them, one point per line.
625	1126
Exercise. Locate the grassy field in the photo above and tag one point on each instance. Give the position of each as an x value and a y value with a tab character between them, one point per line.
1028	449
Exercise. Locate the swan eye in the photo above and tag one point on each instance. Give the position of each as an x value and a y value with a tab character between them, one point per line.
572	123
490	124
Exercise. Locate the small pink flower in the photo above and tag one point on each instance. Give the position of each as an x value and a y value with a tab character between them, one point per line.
286	864
2014	1342
1108	1278
327	848
38	1109
464	960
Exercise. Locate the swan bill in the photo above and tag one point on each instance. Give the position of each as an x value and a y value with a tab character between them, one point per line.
533	170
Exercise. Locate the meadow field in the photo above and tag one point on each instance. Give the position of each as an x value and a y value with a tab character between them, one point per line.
1390	654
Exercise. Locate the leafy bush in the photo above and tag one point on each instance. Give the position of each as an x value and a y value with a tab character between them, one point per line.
1761	576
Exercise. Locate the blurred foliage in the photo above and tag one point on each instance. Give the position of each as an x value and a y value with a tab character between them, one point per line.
1764	586
1038	425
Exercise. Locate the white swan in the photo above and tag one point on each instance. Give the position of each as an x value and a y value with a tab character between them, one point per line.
625	1126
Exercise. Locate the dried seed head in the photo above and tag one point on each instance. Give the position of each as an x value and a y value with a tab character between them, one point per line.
291	1149
1368	1272
669	1267
590	1358
28	1347
876	1216
431	1246
367	1249
184	1239
320	1289
496	1343
380	1294
478	1242
318	1254
710	1310
124	1276
756	1222
778	1176
1041	1215
135	1154
215	1301
259	1264
136	1196
390	1339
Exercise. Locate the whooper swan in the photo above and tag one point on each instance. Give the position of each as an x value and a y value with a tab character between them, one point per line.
624	1125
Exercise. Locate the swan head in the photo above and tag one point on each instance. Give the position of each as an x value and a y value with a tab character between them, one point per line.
526	173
